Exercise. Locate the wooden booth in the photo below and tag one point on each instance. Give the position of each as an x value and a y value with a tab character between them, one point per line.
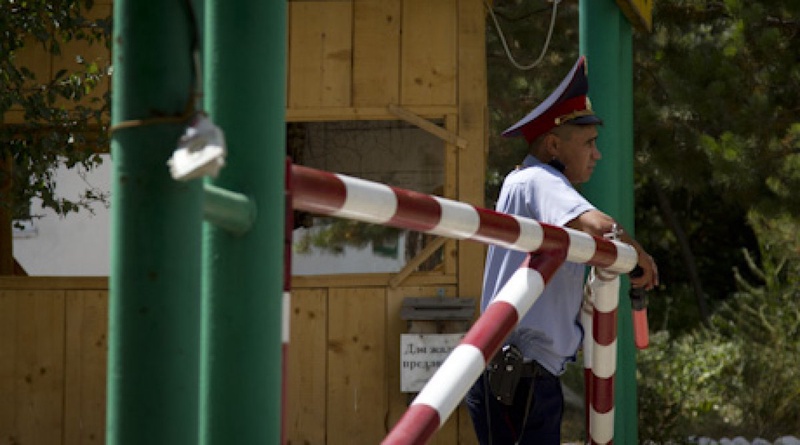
392	91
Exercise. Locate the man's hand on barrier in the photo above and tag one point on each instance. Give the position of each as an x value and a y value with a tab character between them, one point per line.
647	277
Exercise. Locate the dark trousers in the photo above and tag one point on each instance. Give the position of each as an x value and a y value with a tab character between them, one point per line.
505	423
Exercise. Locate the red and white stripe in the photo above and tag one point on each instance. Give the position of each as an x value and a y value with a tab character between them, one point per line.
443	392
342	196
587	314
286	303
600	355
338	195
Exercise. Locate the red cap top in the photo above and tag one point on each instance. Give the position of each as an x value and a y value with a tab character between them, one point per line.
569	103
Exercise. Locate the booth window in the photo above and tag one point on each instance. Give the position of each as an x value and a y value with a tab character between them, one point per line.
390	152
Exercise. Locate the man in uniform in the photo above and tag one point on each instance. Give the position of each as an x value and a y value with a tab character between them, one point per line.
562	135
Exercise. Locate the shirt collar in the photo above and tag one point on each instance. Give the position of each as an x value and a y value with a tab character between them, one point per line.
530	161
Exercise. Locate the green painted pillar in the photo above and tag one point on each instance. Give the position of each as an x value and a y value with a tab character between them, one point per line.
244	60
606	40
154	300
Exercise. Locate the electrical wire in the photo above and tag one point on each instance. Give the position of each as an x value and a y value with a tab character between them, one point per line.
505	45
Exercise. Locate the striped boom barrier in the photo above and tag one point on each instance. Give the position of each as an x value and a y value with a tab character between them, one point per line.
441	395
332	194
604	290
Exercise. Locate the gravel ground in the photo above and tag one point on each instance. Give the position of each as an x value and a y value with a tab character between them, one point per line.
785	440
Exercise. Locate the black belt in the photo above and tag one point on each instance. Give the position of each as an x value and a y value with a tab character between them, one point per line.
506	369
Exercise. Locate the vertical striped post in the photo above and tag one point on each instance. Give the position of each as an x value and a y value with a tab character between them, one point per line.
604	289
440	396
287	294
587	314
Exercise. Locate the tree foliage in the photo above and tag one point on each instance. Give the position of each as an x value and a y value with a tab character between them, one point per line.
717	145
513	92
739	376
717	87
335	235
64	123
716	97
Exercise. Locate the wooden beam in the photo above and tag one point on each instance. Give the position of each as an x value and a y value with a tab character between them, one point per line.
370	280
320	114
639	13
412	265
428	126
53	283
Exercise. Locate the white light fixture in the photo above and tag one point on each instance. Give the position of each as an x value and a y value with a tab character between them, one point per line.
201	151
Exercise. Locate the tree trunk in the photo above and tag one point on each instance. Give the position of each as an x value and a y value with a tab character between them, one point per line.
6	216
686	253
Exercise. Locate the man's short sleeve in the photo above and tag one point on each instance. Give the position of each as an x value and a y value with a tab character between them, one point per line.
540	194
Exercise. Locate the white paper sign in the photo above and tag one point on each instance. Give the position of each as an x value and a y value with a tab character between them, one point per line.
421	355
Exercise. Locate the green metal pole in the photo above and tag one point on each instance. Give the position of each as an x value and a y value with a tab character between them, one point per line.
606	40
154	310
245	51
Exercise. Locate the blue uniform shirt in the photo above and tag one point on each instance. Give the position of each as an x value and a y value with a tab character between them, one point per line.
550	332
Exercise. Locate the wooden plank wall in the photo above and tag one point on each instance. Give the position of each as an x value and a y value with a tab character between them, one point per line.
348	59
344	365
53	362
367	53
343	378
